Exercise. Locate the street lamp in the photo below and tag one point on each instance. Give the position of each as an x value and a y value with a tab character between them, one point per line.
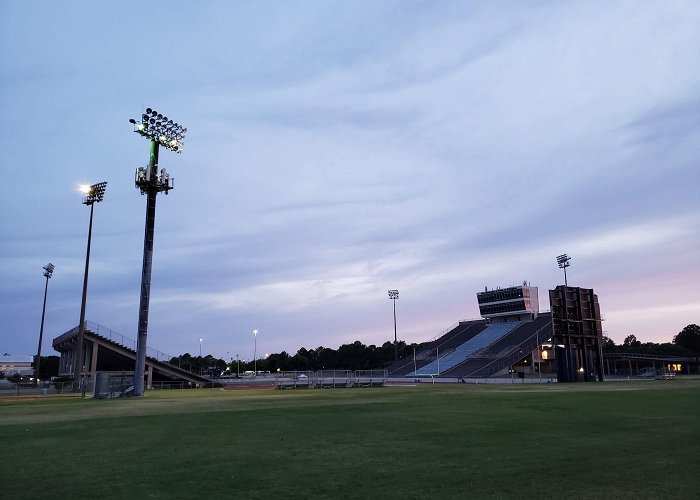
160	131
200	347
93	194
393	295
48	271
255	353
563	261
238	367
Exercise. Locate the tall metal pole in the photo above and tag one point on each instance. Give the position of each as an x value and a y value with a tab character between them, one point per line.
255	353
48	270
78	361
393	295
396	347
151	192
159	130
539	356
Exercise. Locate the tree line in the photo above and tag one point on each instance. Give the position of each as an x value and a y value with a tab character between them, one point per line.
355	356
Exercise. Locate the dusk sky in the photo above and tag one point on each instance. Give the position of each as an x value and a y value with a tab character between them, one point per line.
336	150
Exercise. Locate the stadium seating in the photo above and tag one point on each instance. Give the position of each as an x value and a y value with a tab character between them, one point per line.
485	338
488	361
446	343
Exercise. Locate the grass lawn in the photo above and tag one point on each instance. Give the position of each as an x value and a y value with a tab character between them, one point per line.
612	440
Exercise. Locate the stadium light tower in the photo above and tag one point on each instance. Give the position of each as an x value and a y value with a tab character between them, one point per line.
393	295
48	272
563	261
255	352
94	193
160	131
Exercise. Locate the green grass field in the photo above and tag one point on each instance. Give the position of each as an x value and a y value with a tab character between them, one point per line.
612	440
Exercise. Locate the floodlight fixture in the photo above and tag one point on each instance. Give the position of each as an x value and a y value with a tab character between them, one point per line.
150	180
161	129
48	272
563	261
393	295
94	193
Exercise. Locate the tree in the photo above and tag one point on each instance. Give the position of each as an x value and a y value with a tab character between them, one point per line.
608	344
49	367
689	338
631	342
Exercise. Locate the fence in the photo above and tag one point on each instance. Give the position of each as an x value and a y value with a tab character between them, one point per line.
330	379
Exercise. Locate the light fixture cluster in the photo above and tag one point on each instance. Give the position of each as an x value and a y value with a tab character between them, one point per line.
393	294
94	193
161	129
563	261
48	269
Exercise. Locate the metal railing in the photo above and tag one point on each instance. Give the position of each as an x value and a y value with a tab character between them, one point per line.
129	343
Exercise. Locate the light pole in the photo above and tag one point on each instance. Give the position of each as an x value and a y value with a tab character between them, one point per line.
238	367
255	353
563	261
200	347
48	271
393	295
93	194
160	131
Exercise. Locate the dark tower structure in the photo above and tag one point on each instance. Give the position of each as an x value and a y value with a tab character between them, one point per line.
577	334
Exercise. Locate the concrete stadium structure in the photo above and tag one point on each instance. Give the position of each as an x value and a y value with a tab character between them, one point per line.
107	351
513	336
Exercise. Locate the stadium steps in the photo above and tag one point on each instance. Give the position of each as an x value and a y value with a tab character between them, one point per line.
511	348
486	337
425	353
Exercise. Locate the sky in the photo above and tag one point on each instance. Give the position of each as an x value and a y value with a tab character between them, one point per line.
336	150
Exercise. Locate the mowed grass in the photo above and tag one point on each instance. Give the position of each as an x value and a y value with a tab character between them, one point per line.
626	440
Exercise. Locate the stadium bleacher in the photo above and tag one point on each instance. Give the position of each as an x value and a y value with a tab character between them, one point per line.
488	361
446	343
484	338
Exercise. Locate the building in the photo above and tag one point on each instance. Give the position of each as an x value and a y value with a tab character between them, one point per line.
17	364
577	334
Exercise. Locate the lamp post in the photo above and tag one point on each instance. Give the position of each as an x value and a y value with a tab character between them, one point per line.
255	352
238	367
393	295
200	347
93	194
48	271
563	261
160	131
